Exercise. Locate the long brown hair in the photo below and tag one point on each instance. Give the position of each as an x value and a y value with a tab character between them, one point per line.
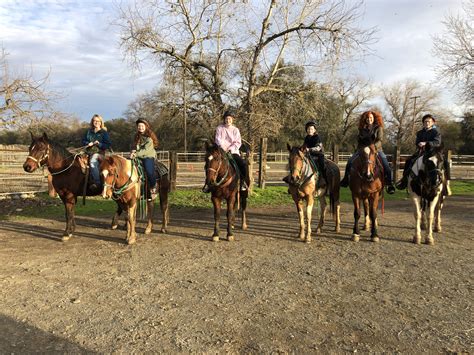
148	133
378	120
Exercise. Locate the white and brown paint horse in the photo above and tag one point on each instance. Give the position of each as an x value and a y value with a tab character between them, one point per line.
427	188
122	182
303	186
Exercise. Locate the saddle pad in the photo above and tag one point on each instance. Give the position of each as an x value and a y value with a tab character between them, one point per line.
161	168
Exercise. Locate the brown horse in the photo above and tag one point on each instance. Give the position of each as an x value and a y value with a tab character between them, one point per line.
68	175
304	185
366	184
122	182
223	180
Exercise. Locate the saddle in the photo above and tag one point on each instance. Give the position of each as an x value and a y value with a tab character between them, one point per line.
160	169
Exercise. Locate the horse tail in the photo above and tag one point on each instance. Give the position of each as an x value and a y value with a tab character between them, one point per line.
333	176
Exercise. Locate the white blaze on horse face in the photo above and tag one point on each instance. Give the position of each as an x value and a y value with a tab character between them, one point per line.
434	159
210	157
367	151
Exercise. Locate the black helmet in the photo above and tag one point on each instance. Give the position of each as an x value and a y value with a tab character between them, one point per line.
228	113
142	120
426	117
309	124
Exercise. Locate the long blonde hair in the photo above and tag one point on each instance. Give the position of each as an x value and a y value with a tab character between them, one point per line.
99	117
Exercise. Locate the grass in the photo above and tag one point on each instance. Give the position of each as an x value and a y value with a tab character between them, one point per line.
44	206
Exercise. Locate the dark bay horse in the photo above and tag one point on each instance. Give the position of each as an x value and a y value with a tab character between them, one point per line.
366	184
427	188
122	182
68	175
224	183
304	186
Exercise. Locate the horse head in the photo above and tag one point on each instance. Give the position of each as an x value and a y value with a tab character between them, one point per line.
215	164
38	153
109	170
296	163
368	158
431	174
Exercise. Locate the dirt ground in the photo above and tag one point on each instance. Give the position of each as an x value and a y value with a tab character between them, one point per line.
266	292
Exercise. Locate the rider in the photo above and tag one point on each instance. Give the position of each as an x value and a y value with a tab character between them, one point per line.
97	141
427	138
143	147
228	138
371	132
314	146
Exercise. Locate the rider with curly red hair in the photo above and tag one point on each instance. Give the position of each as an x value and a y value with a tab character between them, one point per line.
371	132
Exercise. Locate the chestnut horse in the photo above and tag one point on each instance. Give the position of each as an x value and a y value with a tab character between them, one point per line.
224	183
122	182
366	184
304	185
427	188
68	176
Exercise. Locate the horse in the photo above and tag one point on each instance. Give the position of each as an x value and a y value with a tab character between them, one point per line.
303	186
366	184
68	175
122	182
223	180
427	189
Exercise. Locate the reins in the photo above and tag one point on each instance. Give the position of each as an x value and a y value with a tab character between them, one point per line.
45	156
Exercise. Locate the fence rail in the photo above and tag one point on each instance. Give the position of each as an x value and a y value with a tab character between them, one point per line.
189	169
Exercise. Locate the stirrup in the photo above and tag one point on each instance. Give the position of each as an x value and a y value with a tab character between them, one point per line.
402	183
390	189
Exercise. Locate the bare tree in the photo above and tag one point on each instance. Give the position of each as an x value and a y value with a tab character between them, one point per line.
225	46
456	52
24	100
403	115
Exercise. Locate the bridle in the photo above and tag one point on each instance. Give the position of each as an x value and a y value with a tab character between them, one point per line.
222	180
303	171
118	191
41	161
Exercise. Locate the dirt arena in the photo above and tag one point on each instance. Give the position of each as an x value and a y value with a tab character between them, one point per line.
266	292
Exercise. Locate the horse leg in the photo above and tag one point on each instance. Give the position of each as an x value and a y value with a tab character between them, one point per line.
230	217
299	208
373	218
149	216
355	230
437	222
423	223
164	208
309	213
429	238
131	220
416	202
322	212
338	218
217	216
366	215
115	219
69	204
243	206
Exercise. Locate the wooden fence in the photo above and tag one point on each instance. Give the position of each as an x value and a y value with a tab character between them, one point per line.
187	170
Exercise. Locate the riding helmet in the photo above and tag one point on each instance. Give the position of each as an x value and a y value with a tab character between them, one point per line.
142	120
228	113
428	116
309	124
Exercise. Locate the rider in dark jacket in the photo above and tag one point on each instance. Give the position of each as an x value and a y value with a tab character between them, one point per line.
427	139
314	146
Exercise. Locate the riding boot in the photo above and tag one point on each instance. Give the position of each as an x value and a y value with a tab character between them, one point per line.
152	194
206	188
243	185
402	183
389	187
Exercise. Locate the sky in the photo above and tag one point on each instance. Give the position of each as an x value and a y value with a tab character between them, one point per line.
75	42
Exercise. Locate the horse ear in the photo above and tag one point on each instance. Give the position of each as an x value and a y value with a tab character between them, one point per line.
32	137
288	146
206	145
45	136
303	147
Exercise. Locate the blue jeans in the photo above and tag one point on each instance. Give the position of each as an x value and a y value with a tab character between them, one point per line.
383	158
94	164
149	166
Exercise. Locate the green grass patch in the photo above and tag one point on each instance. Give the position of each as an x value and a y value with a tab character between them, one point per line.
43	206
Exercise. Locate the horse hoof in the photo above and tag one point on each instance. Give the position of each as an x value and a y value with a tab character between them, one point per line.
131	241
337	229
113	227
148	231
308	240
429	241
65	238
318	231
375	239
230	238
437	230
163	230
417	240
355	237
244	227
215	239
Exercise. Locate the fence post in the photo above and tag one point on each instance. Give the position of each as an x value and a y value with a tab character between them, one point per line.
262	163
173	169
396	163
335	153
